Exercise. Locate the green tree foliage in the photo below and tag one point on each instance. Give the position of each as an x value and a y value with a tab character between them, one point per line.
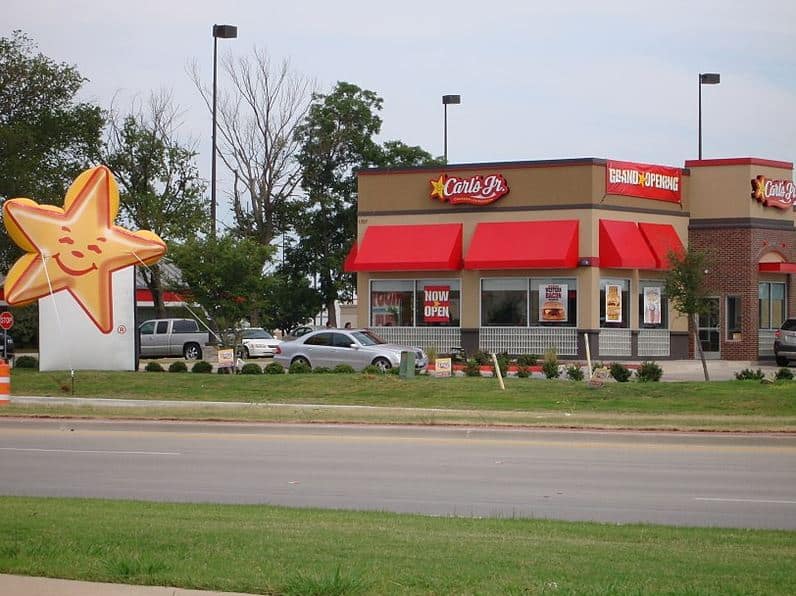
336	140
225	276
159	184
291	301
685	287
47	137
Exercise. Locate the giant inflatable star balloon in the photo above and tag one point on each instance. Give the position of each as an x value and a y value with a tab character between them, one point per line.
76	248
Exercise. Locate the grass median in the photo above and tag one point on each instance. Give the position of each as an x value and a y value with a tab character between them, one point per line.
274	550
725	405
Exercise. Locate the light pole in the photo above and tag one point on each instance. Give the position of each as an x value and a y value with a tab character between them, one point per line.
448	99
708	78
224	32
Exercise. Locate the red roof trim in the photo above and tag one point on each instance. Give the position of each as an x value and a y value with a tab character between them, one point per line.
777	267
524	245
739	161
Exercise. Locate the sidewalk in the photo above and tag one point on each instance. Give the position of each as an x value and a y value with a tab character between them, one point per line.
17	585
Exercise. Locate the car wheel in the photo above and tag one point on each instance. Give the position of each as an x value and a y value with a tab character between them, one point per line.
382	364
244	353
302	360
782	361
192	352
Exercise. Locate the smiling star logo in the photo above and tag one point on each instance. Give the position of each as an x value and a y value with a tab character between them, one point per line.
76	248
438	188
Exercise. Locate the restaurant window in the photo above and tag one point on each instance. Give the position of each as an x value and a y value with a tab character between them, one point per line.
392	303
733	317
771	305
554	302
437	303
504	302
615	303
653	305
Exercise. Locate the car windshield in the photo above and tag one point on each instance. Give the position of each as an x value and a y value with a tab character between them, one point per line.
368	338
257	334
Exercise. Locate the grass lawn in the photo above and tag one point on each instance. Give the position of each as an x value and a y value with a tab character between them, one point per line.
724	405
272	550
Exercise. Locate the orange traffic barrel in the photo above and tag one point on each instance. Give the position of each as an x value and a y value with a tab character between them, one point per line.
5	383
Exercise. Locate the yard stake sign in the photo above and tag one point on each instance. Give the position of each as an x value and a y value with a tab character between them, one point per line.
80	266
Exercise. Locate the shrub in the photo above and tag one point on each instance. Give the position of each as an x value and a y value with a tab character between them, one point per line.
522	371
154	367
483	358
178	367
784	374
550	364
472	368
344	369
620	372
431	353
250	368
202	366
26	362
299	367
274	368
574	373
649	372
527	360
372	369
748	374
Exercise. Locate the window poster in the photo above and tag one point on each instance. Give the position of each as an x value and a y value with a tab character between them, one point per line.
437	304
552	302
613	303
652	306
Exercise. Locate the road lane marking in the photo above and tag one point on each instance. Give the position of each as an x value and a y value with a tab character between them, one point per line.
89	451
728	500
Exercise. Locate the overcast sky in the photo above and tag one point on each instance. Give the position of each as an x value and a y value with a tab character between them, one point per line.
538	80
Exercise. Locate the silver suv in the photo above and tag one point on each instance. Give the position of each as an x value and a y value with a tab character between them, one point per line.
785	342
172	337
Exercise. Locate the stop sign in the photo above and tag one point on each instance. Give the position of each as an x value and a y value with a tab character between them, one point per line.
6	320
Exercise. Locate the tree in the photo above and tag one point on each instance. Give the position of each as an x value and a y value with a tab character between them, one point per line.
395	154
159	185
225	276
291	301
257	124
685	287
47	137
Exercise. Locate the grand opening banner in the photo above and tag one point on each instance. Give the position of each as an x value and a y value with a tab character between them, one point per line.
659	183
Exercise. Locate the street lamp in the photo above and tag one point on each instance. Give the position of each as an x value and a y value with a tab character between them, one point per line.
708	78
224	32
449	99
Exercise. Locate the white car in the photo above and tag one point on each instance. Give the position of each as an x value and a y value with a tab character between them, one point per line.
355	347
257	343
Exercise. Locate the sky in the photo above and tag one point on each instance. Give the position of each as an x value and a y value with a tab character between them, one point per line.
538	80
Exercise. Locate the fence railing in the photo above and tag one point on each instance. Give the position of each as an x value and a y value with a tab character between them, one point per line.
442	339
529	340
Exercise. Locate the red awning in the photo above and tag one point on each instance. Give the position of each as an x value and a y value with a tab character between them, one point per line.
623	247
777	267
435	247
524	245
662	239
348	264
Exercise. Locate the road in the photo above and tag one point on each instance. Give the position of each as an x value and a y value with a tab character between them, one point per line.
669	478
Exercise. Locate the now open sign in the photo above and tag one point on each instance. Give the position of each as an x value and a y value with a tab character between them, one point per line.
436	304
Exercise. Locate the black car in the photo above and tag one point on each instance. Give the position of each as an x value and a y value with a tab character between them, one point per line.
8	352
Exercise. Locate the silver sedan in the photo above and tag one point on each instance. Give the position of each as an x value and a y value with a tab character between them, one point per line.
356	347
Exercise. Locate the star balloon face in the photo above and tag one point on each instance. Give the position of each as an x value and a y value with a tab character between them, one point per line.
76	248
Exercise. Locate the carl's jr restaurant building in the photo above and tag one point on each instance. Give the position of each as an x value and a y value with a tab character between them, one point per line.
524	256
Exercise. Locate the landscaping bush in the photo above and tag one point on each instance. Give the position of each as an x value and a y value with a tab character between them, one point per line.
250	368
178	367
299	367
748	374
472	368
274	368
344	369
372	369
321	370
26	362
483	358
784	374
550	364
649	372
574	373
154	367
202	366
620	372
527	360
522	371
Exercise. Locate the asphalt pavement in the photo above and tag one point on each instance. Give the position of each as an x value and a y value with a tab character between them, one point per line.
17	585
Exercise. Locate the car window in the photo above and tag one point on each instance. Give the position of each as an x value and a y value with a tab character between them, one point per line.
147	328
341	340
368	338
163	327
257	334
185	326
321	339
789	325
